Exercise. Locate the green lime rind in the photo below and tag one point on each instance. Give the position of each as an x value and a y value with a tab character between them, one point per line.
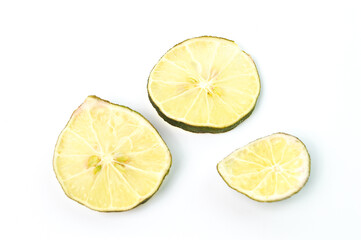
197	129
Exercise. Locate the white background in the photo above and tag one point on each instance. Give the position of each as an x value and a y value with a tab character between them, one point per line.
53	54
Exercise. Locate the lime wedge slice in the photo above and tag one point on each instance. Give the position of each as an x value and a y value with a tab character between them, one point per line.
109	157
269	169
204	84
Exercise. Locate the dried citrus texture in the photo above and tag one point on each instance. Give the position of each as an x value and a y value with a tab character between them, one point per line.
110	158
204	84
269	169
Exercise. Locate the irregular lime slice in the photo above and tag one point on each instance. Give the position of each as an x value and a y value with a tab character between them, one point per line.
204	84
109	157
269	169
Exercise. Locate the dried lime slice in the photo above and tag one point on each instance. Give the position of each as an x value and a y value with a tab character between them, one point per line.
109	157
269	169
204	84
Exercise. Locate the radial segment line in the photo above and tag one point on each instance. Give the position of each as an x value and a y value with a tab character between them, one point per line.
237	91
250	173
290	175
176	96
171	83
228	105
295	174
77	174
127	138
212	61
83	139
208	110
194	59
140	170
178	66
126	181
260	157
228	78
121	142
292	160
271	148
194	101
276	184
72	155
110	192
228	63
242	160
93	130
259	184
294	171
93	185
283	153
286	180
145	150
